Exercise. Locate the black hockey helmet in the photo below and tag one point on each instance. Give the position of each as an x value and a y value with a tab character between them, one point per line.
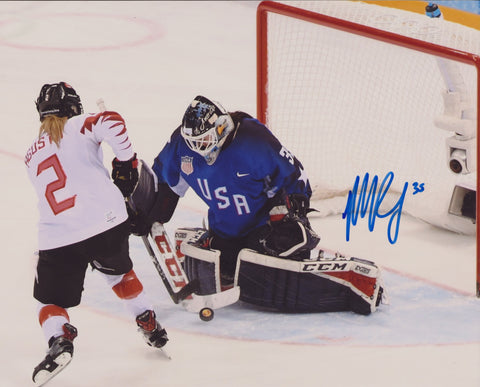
58	99
205	126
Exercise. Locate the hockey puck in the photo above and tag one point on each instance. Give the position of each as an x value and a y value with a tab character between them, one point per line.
206	314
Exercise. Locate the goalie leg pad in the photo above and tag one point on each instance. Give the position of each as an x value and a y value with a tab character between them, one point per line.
187	235
229	249
307	286
288	290
204	264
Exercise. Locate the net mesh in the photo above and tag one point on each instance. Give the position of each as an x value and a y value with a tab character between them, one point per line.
347	105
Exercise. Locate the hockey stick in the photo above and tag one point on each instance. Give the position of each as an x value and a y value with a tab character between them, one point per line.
174	278
185	291
164	256
190	301
196	303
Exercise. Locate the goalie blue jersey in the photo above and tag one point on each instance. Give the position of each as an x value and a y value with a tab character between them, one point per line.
250	169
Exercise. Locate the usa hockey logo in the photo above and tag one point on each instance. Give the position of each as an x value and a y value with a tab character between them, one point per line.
187	165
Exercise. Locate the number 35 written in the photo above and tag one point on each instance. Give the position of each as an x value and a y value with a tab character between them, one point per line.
57	207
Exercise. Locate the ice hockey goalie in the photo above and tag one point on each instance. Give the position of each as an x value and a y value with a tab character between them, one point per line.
283	281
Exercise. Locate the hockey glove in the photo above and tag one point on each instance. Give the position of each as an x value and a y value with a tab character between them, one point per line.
290	234
125	174
139	223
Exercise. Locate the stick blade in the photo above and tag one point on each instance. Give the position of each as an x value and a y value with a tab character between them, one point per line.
187	290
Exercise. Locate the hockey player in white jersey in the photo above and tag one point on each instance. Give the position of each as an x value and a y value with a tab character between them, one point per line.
83	219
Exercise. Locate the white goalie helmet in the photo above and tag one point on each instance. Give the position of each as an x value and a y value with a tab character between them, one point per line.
205	126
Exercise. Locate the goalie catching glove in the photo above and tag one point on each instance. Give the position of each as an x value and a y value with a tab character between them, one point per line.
125	174
289	233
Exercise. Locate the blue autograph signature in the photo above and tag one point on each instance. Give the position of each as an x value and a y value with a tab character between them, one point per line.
372	203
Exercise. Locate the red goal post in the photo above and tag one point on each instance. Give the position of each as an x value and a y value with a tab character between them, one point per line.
268	8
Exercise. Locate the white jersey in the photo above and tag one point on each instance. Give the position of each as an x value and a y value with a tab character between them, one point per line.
76	197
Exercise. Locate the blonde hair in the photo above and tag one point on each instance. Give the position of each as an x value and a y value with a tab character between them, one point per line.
53	126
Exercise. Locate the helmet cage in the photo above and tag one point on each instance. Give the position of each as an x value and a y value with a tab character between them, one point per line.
205	127
202	144
59	99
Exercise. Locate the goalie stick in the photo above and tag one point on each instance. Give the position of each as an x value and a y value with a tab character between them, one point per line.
163	247
192	302
163	256
166	261
184	291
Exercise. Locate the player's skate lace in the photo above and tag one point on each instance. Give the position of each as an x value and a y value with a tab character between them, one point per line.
151	330
59	354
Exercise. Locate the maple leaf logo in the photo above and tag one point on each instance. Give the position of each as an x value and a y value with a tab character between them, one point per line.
104	117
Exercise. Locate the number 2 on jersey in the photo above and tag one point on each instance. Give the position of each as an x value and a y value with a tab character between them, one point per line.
57	207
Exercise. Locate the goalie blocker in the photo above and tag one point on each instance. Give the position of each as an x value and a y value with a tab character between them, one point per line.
325	284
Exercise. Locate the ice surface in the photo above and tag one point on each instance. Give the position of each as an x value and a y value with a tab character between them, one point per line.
148	60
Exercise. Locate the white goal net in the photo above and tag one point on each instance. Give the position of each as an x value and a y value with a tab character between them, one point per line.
347	104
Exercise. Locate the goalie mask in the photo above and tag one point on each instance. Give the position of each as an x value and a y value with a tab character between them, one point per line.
205	127
58	99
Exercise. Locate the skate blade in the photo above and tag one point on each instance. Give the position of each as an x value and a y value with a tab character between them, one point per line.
43	376
165	353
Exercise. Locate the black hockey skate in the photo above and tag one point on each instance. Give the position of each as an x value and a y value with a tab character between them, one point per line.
152	331
58	356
